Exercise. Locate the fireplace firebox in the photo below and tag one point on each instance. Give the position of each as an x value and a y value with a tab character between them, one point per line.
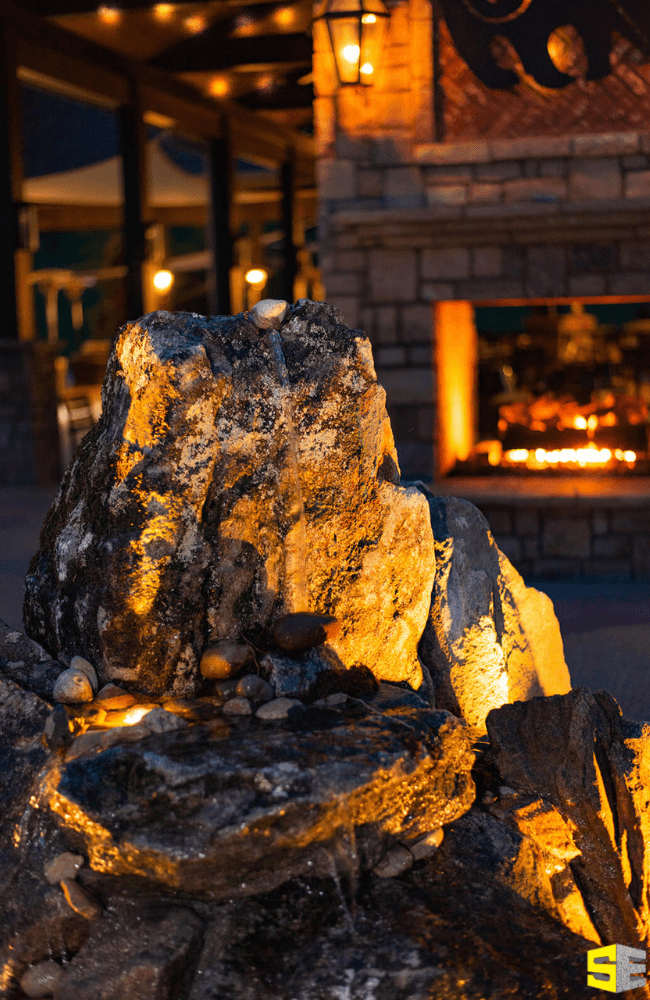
550	388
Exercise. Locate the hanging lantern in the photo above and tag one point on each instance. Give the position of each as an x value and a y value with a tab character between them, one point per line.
356	31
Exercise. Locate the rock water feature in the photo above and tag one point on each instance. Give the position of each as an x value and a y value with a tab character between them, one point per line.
283	728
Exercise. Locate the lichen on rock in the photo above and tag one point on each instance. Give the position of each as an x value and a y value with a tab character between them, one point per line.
236	475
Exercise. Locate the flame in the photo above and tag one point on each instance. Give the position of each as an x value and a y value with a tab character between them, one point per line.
587	457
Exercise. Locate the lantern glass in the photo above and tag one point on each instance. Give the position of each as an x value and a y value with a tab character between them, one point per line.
356	31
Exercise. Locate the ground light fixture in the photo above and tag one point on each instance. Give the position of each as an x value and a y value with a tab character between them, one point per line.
356	30
163	281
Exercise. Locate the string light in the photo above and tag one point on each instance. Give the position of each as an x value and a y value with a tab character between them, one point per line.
195	24
284	16
164	11
163	280
109	15
256	276
219	86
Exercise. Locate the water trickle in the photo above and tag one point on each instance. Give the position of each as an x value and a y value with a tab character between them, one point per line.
295	545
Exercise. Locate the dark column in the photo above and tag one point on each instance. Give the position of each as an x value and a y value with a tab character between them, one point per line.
10	181
219	224
288	221
134	174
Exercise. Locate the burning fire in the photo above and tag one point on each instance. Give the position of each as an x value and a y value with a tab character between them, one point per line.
582	458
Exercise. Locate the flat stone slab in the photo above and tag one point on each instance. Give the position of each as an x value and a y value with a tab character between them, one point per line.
238	805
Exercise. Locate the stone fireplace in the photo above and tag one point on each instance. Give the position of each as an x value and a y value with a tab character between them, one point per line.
439	196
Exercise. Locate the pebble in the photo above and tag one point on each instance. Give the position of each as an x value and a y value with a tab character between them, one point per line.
505	791
399	859
58	734
225	689
72	686
222	661
427	845
238	706
111	696
159	720
332	700
279	708
304	630
254	687
123	734
268	314
80	663
79	900
63	866
41	980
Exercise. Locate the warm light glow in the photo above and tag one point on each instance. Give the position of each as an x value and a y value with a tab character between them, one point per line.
285	16
219	87
592	422
608	420
590	456
256	276
195	24
456	343
267	82
368	19
133	715
109	15
164	11
351	53
367	69
580	423
163	280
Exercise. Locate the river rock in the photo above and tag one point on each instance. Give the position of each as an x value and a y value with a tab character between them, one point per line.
112	697
79	900
237	706
159	720
215	493
254	687
222	661
269	314
399	859
81	663
302	630
490	639
278	708
72	686
261	803
42	979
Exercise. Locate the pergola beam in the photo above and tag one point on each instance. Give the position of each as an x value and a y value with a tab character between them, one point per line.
214	50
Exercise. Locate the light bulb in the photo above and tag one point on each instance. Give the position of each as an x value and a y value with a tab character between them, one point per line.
163	280
351	53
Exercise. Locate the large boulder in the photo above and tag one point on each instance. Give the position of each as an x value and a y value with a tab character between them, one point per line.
236	474
241	805
490	640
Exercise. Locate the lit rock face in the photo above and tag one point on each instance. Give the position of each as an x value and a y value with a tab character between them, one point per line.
490	639
236	475
581	775
240	806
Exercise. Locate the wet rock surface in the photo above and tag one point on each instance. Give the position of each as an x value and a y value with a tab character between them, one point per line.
490	639
235	476
241	804
26	662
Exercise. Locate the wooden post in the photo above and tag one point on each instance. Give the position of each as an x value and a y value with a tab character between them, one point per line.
11	178
220	221
288	223
134	174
